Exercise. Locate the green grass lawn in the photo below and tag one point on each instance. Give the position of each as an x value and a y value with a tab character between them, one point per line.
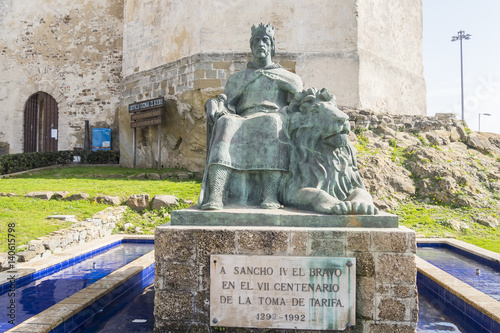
29	215
79	179
433	221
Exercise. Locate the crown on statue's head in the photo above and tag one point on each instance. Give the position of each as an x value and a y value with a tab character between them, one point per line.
267	29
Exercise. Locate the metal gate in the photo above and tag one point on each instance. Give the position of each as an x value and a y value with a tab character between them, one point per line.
41	116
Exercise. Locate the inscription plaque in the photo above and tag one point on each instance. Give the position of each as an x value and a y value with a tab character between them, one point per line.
315	293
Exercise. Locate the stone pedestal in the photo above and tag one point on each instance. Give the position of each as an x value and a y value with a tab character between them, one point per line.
386	296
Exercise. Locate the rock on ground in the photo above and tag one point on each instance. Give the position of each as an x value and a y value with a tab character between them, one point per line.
164	200
45	195
24	256
61	195
3	194
108	200
67	218
78	196
138	202
154	176
488	221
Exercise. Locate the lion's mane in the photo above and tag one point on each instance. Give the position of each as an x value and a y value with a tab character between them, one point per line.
333	170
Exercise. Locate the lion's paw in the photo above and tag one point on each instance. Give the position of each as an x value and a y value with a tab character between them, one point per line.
342	208
333	207
363	208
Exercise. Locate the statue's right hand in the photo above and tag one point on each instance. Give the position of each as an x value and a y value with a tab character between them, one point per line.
212	110
222	98
221	110
215	108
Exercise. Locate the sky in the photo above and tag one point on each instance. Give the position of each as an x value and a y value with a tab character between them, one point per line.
481	60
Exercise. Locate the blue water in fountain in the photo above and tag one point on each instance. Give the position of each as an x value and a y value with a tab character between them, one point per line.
134	313
464	269
432	320
127	318
38	295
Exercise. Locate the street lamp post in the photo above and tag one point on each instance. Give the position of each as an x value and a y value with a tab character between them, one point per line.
461	35
484	114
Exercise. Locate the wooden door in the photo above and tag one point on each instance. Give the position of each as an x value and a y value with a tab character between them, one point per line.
50	114
41	121
31	124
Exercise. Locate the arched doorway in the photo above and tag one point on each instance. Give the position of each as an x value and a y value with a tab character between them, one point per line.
41	116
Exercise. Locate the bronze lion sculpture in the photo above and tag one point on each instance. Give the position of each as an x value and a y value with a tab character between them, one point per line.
323	174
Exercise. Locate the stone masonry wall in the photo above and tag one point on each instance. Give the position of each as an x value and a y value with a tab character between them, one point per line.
71	50
158	32
386	297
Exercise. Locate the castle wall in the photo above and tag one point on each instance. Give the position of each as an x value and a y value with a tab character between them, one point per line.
322	37
69	49
391	58
159	32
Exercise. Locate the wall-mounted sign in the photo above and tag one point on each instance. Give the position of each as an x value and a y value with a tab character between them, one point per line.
146	122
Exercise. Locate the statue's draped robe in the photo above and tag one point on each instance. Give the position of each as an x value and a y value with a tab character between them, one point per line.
252	136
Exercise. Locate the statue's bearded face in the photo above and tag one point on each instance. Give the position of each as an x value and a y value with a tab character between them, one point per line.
261	45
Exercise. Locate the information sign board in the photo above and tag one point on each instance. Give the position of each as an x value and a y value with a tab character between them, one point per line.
146	122
146	113
146	105
101	139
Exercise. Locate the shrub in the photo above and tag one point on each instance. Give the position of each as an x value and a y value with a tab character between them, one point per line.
393	143
99	156
27	161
